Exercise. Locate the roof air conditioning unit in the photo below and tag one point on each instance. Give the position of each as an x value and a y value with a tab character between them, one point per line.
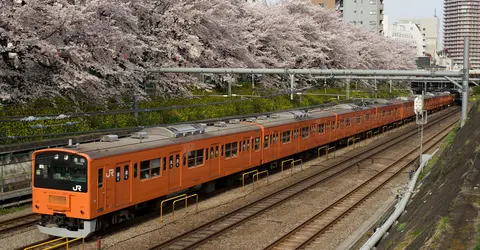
109	138
140	135
220	124
234	121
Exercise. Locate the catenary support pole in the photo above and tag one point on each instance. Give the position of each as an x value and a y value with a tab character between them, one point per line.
465	81
390	82
347	88
292	82
253	83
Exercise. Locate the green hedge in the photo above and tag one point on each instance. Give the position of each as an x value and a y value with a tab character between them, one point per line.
57	106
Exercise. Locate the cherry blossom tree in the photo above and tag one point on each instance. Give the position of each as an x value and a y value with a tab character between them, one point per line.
105	48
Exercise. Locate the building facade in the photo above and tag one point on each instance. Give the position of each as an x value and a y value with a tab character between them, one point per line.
430	29
367	13
329	4
462	19
407	33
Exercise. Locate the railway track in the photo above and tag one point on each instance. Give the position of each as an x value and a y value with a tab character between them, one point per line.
18	223
207	231
305	235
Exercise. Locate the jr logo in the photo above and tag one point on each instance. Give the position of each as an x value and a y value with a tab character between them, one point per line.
77	188
110	173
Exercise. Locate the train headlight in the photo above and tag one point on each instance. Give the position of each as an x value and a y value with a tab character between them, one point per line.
55	157
65	157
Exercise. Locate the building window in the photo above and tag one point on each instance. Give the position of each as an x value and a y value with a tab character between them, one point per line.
286	136
322	5
373	12
373	22
373	1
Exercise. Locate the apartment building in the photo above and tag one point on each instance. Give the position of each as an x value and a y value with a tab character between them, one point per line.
367	13
430	29
462	19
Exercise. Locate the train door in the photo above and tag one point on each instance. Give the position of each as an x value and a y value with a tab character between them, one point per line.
214	160
174	169
109	186
122	184
100	190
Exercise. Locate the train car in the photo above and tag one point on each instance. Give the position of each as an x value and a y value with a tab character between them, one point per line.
80	189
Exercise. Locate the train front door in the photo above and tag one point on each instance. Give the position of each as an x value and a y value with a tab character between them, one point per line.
174	171
214	160
109	187
122	184
100	189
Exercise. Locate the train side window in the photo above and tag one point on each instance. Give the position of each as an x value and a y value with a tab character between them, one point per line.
206	154
257	143
328	126
170	162
164	163
358	119
216	151
125	172
223	150
184	159
367	117
295	133
177	160
383	113
155	167
144	170
348	122
212	153
135	170
100	177
333	126
195	158
304	132
240	147
286	136
265	141
312	130
321	128
117	173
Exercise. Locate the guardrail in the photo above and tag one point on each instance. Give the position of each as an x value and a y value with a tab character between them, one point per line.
319	150
293	166
186	204
169	199
333	151
285	161
257	174
243	178
66	243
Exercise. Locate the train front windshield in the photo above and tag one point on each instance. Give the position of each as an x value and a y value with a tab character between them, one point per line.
61	171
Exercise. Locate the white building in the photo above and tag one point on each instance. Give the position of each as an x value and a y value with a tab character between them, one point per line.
408	33
430	29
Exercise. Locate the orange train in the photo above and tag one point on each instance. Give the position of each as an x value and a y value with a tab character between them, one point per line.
84	188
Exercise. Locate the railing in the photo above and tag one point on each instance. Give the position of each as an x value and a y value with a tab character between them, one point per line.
243	178
169	199
257	174
319	150
285	161
328	150
293	166
66	243
186	204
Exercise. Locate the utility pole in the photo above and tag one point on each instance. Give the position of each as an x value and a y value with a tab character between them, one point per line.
347	85
253	83
292	82
465	81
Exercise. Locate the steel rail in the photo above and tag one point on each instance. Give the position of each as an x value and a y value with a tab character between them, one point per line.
208	230
18	222
316	225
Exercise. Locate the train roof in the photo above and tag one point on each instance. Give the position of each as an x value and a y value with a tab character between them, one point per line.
155	137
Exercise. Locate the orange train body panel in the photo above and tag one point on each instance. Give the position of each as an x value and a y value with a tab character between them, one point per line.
100	178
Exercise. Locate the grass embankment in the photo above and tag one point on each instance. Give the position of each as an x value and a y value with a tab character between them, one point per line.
218	107
445	144
4	211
